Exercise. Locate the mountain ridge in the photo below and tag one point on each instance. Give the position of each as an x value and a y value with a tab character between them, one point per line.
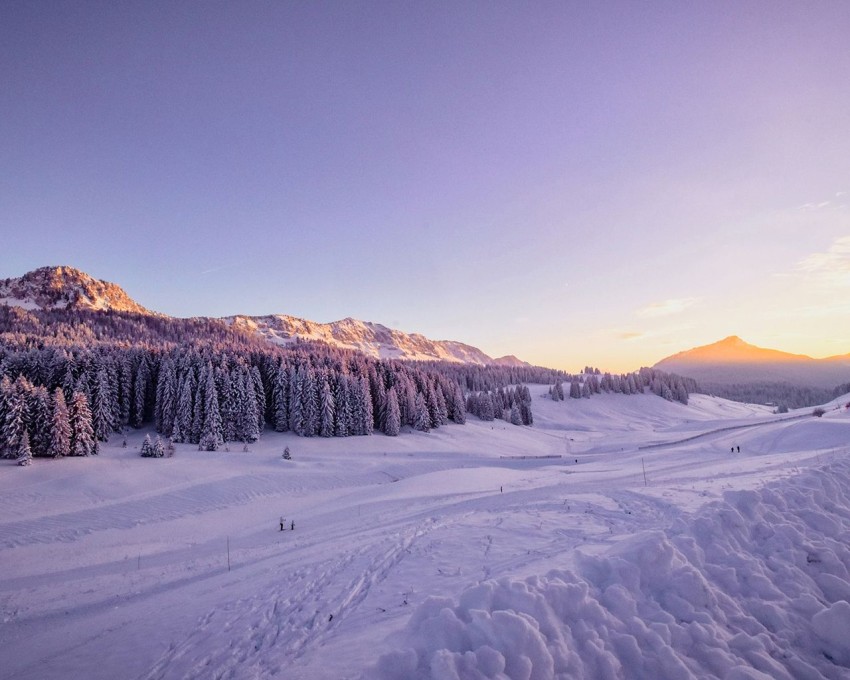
733	361
64	287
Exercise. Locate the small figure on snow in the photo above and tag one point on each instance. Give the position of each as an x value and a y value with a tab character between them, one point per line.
281	523
739	449
293	525
732	450
501	490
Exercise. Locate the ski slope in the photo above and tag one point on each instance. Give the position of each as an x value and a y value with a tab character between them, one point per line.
619	537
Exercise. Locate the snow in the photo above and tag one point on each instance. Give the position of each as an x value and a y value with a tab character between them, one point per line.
459	553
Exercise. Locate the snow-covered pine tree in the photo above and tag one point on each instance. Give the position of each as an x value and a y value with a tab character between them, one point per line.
515	417
166	398
211	432
248	423
422	421
14	418
101	408
392	421
259	397
24	454
158	448
341	416
296	400
326	407
182	430
40	422
60	431
280	400
147	447
83	442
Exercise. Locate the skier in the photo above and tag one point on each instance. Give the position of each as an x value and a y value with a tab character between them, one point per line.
293	525
732	450
281	523
739	449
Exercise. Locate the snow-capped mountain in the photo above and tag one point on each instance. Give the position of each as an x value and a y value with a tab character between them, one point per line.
66	288
370	338
70	288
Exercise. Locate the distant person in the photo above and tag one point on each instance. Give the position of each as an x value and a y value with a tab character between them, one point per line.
732	450
281	523
293	525
739	449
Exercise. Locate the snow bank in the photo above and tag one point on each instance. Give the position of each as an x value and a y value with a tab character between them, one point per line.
755	586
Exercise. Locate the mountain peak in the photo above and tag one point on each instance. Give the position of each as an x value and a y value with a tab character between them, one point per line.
64	287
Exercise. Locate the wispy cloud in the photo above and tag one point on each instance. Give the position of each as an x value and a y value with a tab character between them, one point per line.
666	307
630	335
831	267
815	206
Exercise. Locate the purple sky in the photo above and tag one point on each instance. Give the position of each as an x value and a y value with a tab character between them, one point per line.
574	183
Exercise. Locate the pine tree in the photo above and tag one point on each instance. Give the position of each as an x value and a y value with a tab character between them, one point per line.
259	398
280	400
101	408
211	431
24	455
82	442
248	423
14	419
392	424
40	421
182	430
60	432
158	448
326	406
147	447
422	420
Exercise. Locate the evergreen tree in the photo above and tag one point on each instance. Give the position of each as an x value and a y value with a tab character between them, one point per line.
101	408
422	420
516	417
60	441
40	421
82	441
24	454
326	406
147	447
182	430
14	418
280	400
211	431
392	424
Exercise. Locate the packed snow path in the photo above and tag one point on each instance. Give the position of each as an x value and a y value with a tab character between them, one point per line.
122	567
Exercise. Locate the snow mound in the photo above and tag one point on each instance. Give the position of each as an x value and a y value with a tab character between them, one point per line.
754	586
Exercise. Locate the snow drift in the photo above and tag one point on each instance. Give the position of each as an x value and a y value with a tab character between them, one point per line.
753	586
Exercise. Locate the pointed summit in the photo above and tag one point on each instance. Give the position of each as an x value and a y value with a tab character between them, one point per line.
64	287
734	361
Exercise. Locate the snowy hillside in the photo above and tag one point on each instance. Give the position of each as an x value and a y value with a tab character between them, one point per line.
65	288
69	288
370	338
621	537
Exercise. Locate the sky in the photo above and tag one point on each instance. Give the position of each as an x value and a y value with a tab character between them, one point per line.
577	184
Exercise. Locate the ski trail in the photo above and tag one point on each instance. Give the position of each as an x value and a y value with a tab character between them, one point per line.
265	634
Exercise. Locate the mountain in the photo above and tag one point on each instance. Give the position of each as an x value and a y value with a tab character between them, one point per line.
370	338
66	288
69	288
733	361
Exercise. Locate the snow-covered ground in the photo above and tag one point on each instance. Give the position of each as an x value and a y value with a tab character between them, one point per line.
647	549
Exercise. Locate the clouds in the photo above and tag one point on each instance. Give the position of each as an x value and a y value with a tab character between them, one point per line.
831	267
666	307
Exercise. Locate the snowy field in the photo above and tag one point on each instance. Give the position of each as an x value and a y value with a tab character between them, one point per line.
647	548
